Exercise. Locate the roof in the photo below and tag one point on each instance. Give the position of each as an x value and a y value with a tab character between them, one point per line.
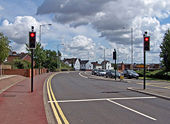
104	62
70	60
84	61
20	56
95	63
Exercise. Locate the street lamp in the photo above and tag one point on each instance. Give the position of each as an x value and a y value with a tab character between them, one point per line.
58	55
40	37
40	30
131	30
105	57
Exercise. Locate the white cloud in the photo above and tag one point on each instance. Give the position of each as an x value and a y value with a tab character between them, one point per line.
105	15
80	47
18	30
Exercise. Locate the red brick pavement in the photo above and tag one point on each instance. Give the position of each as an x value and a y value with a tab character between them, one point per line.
6	82
19	106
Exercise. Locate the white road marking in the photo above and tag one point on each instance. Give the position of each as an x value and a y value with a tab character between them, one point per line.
102	99
82	75
132	110
85	72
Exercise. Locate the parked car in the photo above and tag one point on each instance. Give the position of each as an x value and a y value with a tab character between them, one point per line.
130	74
101	73
94	71
111	74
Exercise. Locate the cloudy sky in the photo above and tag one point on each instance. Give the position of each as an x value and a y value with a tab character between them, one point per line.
85	28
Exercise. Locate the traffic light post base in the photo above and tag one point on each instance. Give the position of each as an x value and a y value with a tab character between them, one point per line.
32	75
144	80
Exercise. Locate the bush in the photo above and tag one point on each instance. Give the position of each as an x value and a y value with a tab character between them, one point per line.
159	74
21	64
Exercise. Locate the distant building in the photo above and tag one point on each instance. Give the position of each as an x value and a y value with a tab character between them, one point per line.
96	65
72	62
106	65
76	63
21	56
83	64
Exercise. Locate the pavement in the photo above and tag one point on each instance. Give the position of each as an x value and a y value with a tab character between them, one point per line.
17	104
159	89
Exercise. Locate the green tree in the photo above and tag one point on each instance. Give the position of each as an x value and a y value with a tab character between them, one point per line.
21	64
51	60
4	48
165	51
39	55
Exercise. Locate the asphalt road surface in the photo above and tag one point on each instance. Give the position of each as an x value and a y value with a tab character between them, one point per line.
90	101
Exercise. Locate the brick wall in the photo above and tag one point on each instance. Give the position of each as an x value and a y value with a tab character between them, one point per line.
6	66
23	72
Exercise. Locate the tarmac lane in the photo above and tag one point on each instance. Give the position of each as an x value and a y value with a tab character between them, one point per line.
88	101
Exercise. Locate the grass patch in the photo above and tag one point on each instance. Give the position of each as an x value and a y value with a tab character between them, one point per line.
154	79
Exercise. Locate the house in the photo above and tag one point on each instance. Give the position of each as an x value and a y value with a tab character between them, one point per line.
83	64
96	65
89	66
21	56
72	62
106	65
77	64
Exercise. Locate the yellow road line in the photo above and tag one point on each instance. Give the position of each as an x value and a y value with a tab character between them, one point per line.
52	105
56	103
58	107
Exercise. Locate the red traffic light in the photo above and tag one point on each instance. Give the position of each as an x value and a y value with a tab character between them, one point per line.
146	39
32	34
147	43
32	40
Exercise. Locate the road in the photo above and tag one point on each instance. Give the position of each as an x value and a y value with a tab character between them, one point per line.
90	101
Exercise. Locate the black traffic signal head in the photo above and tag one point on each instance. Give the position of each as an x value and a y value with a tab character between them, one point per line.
146	43
114	55
32	40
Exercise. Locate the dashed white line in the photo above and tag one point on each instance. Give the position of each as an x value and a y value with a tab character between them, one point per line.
82	75
132	110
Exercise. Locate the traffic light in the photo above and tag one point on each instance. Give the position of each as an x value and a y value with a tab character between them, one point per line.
114	55
146	43
32	40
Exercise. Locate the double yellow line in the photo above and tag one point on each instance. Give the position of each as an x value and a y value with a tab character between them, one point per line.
54	105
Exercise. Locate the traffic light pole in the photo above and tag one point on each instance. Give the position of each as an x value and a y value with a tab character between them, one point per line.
114	58
115	69
32	76
146	48
144	80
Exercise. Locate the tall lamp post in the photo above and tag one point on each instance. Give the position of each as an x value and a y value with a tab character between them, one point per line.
40	30
40	38
131	30
58	56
